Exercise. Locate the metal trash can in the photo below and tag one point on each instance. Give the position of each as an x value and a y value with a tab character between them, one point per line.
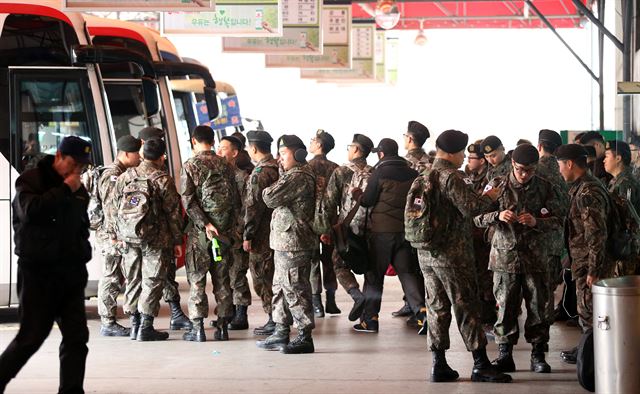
616	334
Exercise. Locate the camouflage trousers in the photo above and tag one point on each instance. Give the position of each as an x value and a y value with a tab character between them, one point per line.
238	276
585	300
261	265
481	251
343	273
555	278
198	263
109	287
145	273
292	290
322	272
170	292
509	290
455	288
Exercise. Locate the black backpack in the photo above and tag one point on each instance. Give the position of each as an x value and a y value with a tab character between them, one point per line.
623	236
585	362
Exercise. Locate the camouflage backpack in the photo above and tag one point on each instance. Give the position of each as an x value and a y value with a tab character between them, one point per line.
359	180
90	181
136	208
424	222
218	196
624	233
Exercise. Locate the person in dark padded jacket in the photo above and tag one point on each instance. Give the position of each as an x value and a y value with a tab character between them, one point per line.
52	243
386	195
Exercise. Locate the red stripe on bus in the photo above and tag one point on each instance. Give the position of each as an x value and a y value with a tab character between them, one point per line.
32	9
95	31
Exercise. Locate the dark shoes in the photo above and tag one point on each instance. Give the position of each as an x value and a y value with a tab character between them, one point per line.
405	311
135	325
196	334
114	329
146	332
301	344
569	356
441	371
277	340
331	307
222	330
369	325
318	309
483	371
240	320
358	304
504	362
538	363
179	321
268	328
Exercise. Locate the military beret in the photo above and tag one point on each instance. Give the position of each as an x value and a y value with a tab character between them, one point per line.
590	136
235	141
523	141
294	143
476	149
490	144
154	149
77	148
363	141
241	137
551	137
418	129
128	143
591	151
259	136
386	146
525	154
326	140
571	152
150	132
452	141
620	147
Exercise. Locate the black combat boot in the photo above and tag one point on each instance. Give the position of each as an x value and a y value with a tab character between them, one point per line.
239	321
483	371
196	334
301	344
538	363
569	356
405	311
318	309
441	371
358	304
179	321
268	328
113	329
222	333
278	339
148	333
504	362
135	325
331	306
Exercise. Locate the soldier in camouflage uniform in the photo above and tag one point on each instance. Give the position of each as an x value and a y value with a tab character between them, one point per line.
112	276
494	153
596	140
527	209
336	205
145	269
209	197
321	144
293	199
230	148
548	142
617	162
585	231
170	294
449	271
257	219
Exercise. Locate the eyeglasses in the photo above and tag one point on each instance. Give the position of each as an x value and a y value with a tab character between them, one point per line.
524	170
350	146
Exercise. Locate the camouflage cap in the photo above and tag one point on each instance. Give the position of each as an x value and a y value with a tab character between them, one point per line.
490	144
525	154
571	152
259	136
150	132
327	141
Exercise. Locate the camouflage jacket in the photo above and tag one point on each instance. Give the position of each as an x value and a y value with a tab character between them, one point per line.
635	170
626	186
548	169
208	191
257	216
165	199
323	169
598	171
106	185
418	160
586	227
293	200
502	169
477	179
336	202
240	178
461	204
516	248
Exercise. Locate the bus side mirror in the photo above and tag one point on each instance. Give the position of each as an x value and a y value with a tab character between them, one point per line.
211	99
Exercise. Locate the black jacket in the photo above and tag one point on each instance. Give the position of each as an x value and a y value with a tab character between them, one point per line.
386	192
50	221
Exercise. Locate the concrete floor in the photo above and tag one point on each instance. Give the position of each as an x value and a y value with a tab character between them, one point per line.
394	360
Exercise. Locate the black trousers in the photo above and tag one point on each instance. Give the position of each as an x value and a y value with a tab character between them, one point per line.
392	248
46	297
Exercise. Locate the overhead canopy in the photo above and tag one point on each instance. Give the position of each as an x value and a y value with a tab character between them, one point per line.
478	14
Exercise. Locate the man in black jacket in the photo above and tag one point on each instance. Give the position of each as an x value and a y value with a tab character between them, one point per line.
52	243
386	195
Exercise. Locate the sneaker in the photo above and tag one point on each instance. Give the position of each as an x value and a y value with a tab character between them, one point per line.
367	326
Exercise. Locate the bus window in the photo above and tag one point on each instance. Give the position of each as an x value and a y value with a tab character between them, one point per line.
48	106
183	126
